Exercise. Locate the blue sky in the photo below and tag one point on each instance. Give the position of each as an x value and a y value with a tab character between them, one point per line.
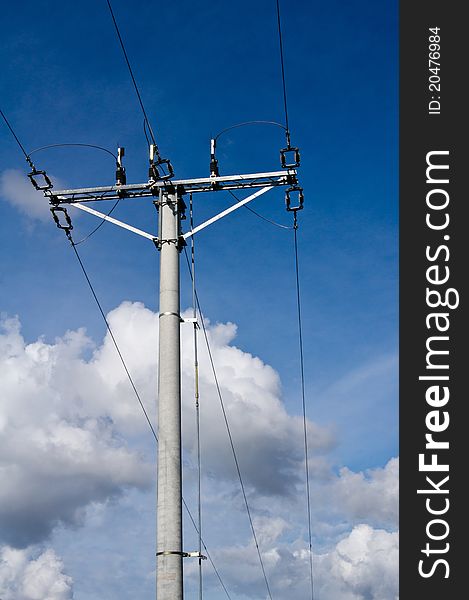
201	68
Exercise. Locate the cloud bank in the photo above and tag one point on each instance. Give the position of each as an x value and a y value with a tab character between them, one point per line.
24	576
72	435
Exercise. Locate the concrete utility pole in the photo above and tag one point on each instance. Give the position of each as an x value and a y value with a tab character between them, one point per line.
169	509
170	240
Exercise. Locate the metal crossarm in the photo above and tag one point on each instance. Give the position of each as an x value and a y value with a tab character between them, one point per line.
204	184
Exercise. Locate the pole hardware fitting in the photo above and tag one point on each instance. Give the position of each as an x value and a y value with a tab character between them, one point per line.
290	157
181	207
56	210
43	183
121	177
298	191
214	171
183	554
155	175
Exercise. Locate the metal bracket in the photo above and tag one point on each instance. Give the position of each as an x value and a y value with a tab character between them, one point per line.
227	211
192	320
96	213
183	554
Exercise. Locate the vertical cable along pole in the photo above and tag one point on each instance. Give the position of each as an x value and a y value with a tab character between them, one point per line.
197	404
303	399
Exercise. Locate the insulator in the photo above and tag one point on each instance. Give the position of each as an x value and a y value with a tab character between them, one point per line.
121	178
299	198
56	210
40	180
290	157
214	172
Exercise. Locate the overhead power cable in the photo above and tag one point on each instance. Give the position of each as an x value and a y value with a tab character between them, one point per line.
129	66
14	134
113	339
259	215
282	64
230	436
140	402
100	224
303	400
78	145
137	395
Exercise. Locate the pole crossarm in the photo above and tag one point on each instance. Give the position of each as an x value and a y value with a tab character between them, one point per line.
149	189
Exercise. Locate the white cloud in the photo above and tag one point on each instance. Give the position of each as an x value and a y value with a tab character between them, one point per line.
372	495
363	566
17	190
68	408
24	575
54	459
64	417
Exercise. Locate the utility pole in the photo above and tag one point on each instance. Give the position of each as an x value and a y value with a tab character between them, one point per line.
169	241
169	486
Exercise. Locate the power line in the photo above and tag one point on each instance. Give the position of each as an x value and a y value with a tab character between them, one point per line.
101	223
112	337
16	138
259	215
64	145
280	39
233	449
140	402
303	399
129	66
137	395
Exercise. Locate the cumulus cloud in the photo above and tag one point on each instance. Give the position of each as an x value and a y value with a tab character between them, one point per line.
65	416
68	409
16	189
362	566
26	575
54	459
372	495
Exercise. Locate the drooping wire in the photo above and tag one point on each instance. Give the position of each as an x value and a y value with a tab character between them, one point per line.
230	436
63	145
259	215
248	123
141	403
196	398
282	64
100	224
129	66
303	399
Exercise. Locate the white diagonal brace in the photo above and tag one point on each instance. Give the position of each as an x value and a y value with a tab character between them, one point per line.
227	211
115	221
